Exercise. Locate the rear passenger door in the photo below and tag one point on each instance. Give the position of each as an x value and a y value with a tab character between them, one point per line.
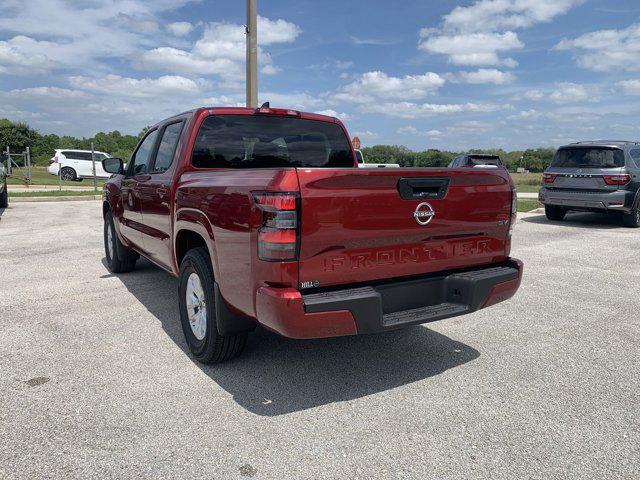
71	159
156	195
131	222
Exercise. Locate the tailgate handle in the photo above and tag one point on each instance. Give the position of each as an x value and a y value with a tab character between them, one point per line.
422	188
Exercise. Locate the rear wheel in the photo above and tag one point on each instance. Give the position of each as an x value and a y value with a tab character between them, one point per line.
68	174
632	219
198	312
554	212
4	196
120	259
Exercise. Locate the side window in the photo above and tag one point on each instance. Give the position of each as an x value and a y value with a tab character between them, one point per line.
167	147
635	154
139	162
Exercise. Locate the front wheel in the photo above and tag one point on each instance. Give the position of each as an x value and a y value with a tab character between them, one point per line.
198	312
4	196
120	259
632	219
554	212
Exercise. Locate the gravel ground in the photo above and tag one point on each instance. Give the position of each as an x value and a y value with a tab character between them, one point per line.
96	381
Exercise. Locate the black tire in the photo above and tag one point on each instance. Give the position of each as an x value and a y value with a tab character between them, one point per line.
213	347
554	212
120	259
68	174
4	196
632	219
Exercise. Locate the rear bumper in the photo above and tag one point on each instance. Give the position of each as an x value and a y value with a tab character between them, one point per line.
386	306
619	200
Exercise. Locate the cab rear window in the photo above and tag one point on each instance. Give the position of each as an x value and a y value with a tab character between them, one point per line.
262	141
588	158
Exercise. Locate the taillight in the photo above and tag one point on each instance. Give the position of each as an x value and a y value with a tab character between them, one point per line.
617	179
514	209
278	235
549	177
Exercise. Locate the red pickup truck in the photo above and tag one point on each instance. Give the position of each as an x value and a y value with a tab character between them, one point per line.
265	218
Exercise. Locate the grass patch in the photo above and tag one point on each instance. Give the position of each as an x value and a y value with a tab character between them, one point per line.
527	182
40	176
528	204
55	193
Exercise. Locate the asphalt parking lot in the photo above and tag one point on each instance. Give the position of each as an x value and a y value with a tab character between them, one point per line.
96	380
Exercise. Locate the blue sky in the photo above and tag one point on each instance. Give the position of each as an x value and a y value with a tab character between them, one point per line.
425	74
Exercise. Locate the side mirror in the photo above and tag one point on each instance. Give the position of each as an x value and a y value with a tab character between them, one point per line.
113	165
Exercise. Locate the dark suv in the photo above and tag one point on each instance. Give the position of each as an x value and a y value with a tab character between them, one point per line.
599	176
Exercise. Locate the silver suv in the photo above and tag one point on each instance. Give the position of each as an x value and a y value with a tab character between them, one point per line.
599	176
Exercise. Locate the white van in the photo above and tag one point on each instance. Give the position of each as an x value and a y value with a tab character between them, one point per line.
76	164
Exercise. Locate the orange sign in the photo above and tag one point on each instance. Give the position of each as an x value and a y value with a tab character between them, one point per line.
356	143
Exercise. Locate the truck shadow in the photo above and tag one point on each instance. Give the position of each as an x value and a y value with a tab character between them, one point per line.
599	221
276	376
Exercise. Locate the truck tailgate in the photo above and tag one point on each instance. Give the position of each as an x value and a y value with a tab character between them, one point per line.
367	225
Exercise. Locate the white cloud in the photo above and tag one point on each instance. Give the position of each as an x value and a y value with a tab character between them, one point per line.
145	87
562	93
332	113
478	34
295	100
571	93
525	115
487	75
49	93
630	87
180	29
375	86
364	134
534	95
607	50
175	60
472	48
486	15
63	34
221	50
423	110
270	70
23	55
411	130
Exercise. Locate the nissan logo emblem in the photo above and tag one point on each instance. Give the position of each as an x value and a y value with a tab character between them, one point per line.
424	213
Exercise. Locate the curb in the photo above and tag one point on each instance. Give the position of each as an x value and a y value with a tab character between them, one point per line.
70	198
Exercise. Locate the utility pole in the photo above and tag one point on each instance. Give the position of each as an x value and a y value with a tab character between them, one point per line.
252	53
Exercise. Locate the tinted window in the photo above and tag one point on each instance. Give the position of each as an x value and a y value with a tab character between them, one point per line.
258	141
635	154
359	156
588	158
167	147
140	160
83	156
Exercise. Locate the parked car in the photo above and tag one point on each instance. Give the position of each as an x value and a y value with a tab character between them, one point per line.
598	176
362	164
76	164
4	192
264	219
476	160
